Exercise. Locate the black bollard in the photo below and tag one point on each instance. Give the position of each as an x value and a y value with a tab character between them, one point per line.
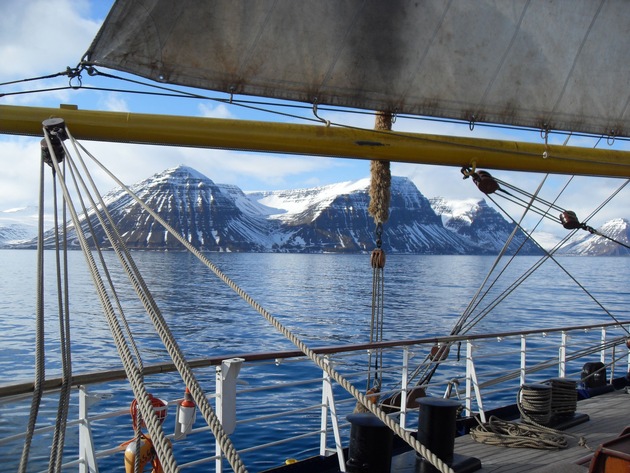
371	441
436	430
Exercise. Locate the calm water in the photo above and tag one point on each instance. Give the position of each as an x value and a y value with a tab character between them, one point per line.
325	299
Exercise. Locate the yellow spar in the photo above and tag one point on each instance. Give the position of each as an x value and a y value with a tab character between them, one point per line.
319	140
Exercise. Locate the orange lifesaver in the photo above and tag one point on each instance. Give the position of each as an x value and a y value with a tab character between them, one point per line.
147	455
159	407
147	452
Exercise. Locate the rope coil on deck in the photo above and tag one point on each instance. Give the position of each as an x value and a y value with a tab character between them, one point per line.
563	397
529	433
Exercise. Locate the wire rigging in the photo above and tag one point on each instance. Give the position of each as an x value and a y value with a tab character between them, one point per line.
268	107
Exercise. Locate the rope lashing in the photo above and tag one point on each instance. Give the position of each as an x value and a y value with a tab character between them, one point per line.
381	178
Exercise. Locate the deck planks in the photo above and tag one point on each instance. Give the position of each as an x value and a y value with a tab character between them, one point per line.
609	414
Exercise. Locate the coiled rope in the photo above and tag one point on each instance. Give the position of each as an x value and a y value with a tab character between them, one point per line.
563	397
318	360
526	434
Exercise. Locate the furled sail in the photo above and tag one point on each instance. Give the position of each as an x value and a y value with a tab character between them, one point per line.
562	65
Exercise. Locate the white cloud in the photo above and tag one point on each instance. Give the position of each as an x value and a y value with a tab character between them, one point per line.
217	111
114	102
40	37
19	179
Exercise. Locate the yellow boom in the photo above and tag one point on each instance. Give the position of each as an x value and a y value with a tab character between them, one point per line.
319	140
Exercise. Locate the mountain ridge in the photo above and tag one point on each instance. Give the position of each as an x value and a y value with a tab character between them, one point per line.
332	218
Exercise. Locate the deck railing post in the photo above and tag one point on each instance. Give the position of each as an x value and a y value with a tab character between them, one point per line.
328	406
612	363
523	358
87	456
602	353
226	375
472	383
404	386
562	355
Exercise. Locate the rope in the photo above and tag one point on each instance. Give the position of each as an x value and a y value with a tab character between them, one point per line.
526	434
39	332
138	435
381	178
164	332
153	425
563	397
500	189
319	361
380	196
427	369
536	403
56	451
516	435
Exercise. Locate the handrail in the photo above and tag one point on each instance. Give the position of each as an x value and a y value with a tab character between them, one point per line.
53	384
486	388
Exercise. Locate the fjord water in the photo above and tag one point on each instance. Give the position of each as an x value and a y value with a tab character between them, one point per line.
325	299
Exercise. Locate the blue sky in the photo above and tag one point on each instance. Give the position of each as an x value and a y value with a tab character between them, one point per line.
39	37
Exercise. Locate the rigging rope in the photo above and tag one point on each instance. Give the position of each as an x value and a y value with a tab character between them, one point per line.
567	218
76	71
137	424
163	330
56	452
320	361
378	208
39	332
151	420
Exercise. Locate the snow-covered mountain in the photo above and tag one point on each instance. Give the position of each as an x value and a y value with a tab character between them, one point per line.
475	220
587	244
333	218
209	216
18	225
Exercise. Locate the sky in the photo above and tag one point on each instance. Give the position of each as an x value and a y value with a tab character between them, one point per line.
40	37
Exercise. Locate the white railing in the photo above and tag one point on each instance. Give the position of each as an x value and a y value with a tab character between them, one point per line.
280	405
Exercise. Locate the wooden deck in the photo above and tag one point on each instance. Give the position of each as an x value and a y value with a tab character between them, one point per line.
609	414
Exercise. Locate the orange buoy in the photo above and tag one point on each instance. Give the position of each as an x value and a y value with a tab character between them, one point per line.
159	407
147	453
146	450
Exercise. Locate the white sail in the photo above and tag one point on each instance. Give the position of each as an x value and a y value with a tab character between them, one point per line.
563	65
